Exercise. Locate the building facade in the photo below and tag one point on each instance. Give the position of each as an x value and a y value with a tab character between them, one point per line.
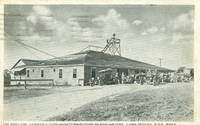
76	69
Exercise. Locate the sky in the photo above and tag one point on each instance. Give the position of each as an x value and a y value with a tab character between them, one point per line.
147	32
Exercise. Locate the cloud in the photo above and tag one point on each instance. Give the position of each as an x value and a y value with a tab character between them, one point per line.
182	28
41	10
79	33
179	30
152	30
179	38
43	16
39	13
183	22
112	22
162	29
44	24
46	27
23	28
137	22
72	21
32	18
33	37
144	33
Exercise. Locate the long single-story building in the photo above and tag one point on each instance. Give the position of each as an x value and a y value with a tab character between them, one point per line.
78	68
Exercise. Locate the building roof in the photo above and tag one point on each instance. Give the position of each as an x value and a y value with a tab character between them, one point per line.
26	62
94	58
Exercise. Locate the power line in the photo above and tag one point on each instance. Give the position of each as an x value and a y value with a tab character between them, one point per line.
34	48
30	51
41	51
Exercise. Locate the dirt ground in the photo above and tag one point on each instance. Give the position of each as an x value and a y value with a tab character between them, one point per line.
63	103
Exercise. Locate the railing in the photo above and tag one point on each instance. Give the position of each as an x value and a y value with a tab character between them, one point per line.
25	80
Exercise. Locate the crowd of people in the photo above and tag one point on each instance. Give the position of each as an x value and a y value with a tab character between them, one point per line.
149	77
156	78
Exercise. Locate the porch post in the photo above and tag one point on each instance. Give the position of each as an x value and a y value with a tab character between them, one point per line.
25	84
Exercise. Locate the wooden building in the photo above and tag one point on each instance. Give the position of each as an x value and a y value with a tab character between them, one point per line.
76	69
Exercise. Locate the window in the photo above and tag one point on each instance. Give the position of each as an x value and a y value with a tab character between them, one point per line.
54	70
42	73
93	72
60	73
28	73
74	73
33	70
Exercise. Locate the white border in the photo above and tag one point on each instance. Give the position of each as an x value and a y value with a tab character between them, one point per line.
196	3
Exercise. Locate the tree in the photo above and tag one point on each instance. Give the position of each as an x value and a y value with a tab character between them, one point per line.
192	73
7	77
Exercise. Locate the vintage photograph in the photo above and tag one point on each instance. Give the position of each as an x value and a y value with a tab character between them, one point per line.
98	62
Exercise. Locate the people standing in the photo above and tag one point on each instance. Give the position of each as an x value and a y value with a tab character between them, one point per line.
148	76
123	78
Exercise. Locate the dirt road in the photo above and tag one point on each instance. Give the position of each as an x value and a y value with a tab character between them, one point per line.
44	107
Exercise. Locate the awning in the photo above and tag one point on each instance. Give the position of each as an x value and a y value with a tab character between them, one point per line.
105	70
18	69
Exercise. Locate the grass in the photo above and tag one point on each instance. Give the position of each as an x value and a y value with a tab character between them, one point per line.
174	103
14	94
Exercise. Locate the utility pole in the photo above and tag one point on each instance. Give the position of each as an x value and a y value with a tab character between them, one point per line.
160	60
